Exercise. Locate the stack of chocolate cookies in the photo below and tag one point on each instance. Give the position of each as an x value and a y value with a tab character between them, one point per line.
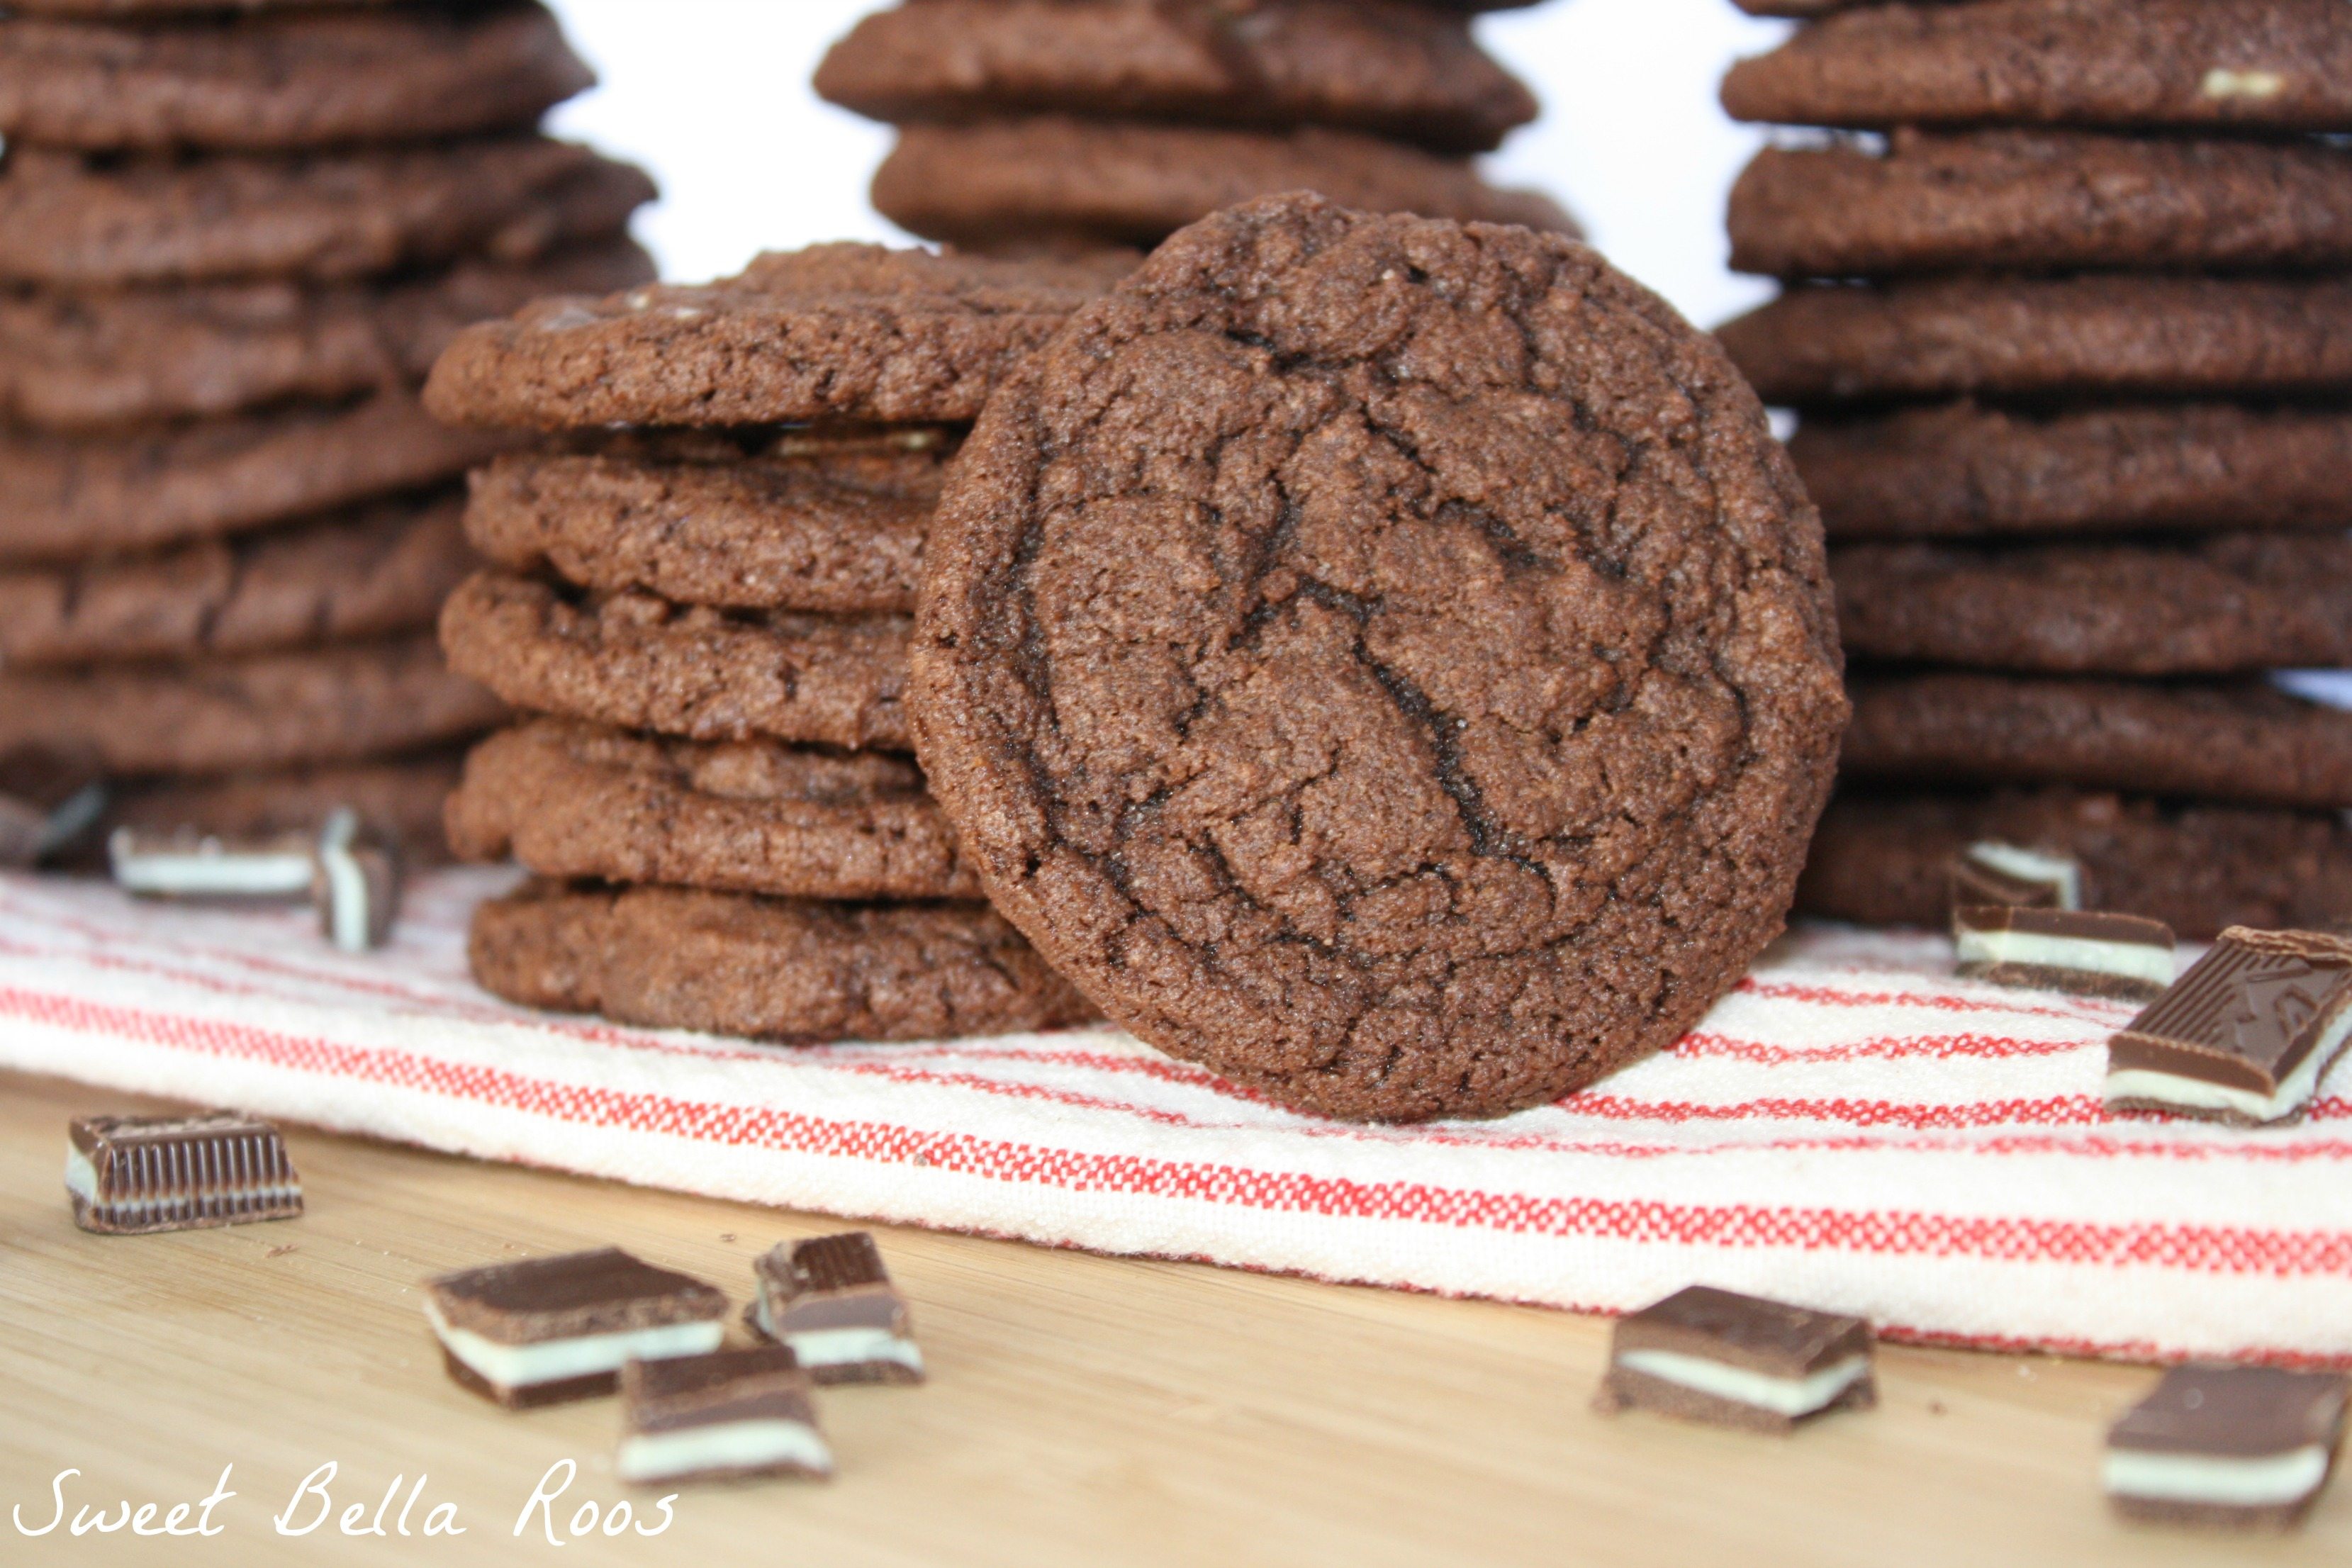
2069	321
1047	124
702	595
232	240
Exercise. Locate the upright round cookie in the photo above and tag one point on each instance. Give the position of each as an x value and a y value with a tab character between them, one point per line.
1386	661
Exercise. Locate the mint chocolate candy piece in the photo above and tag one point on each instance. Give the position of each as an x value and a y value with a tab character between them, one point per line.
2244	1035
134	1176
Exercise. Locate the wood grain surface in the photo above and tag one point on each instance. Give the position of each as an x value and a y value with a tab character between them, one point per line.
1082	1410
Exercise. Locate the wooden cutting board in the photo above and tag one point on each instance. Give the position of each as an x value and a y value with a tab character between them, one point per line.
1083	1410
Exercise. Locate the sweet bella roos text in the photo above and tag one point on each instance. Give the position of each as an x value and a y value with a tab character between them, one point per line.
312	1505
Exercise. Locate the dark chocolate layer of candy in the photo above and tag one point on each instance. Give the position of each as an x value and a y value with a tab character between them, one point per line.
764	1383
2235	1411
1746	1332
603	1291
136	1175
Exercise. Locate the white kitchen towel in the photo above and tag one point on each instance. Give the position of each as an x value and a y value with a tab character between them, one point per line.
1852	1129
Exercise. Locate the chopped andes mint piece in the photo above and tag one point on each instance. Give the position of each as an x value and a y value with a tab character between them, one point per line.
830	1299
547	1330
355	883
729	1414
1991	873
2121	956
1705	1354
2244	1036
134	1176
47	799
183	864
2239	1447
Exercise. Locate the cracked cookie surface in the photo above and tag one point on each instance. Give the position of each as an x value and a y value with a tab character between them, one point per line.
1385	660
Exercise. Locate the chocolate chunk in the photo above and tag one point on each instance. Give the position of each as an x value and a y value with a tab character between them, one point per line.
1705	1354
186	865
47	799
1991	873
134	1176
2238	1446
730	1412
355	883
831	1300
2064	949
2244	1036
552	1329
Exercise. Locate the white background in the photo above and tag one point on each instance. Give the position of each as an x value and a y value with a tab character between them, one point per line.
712	97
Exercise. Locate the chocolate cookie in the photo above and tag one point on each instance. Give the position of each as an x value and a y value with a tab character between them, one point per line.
401	800
134	10
2222	604
70	221
338	704
2187	337
86	362
289	80
1376	66
1959	470
67	498
2244	742
2271	65
781	969
2041	201
788	533
831	333
1885	859
644	663
383	569
1386	661
1018	182
749	816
